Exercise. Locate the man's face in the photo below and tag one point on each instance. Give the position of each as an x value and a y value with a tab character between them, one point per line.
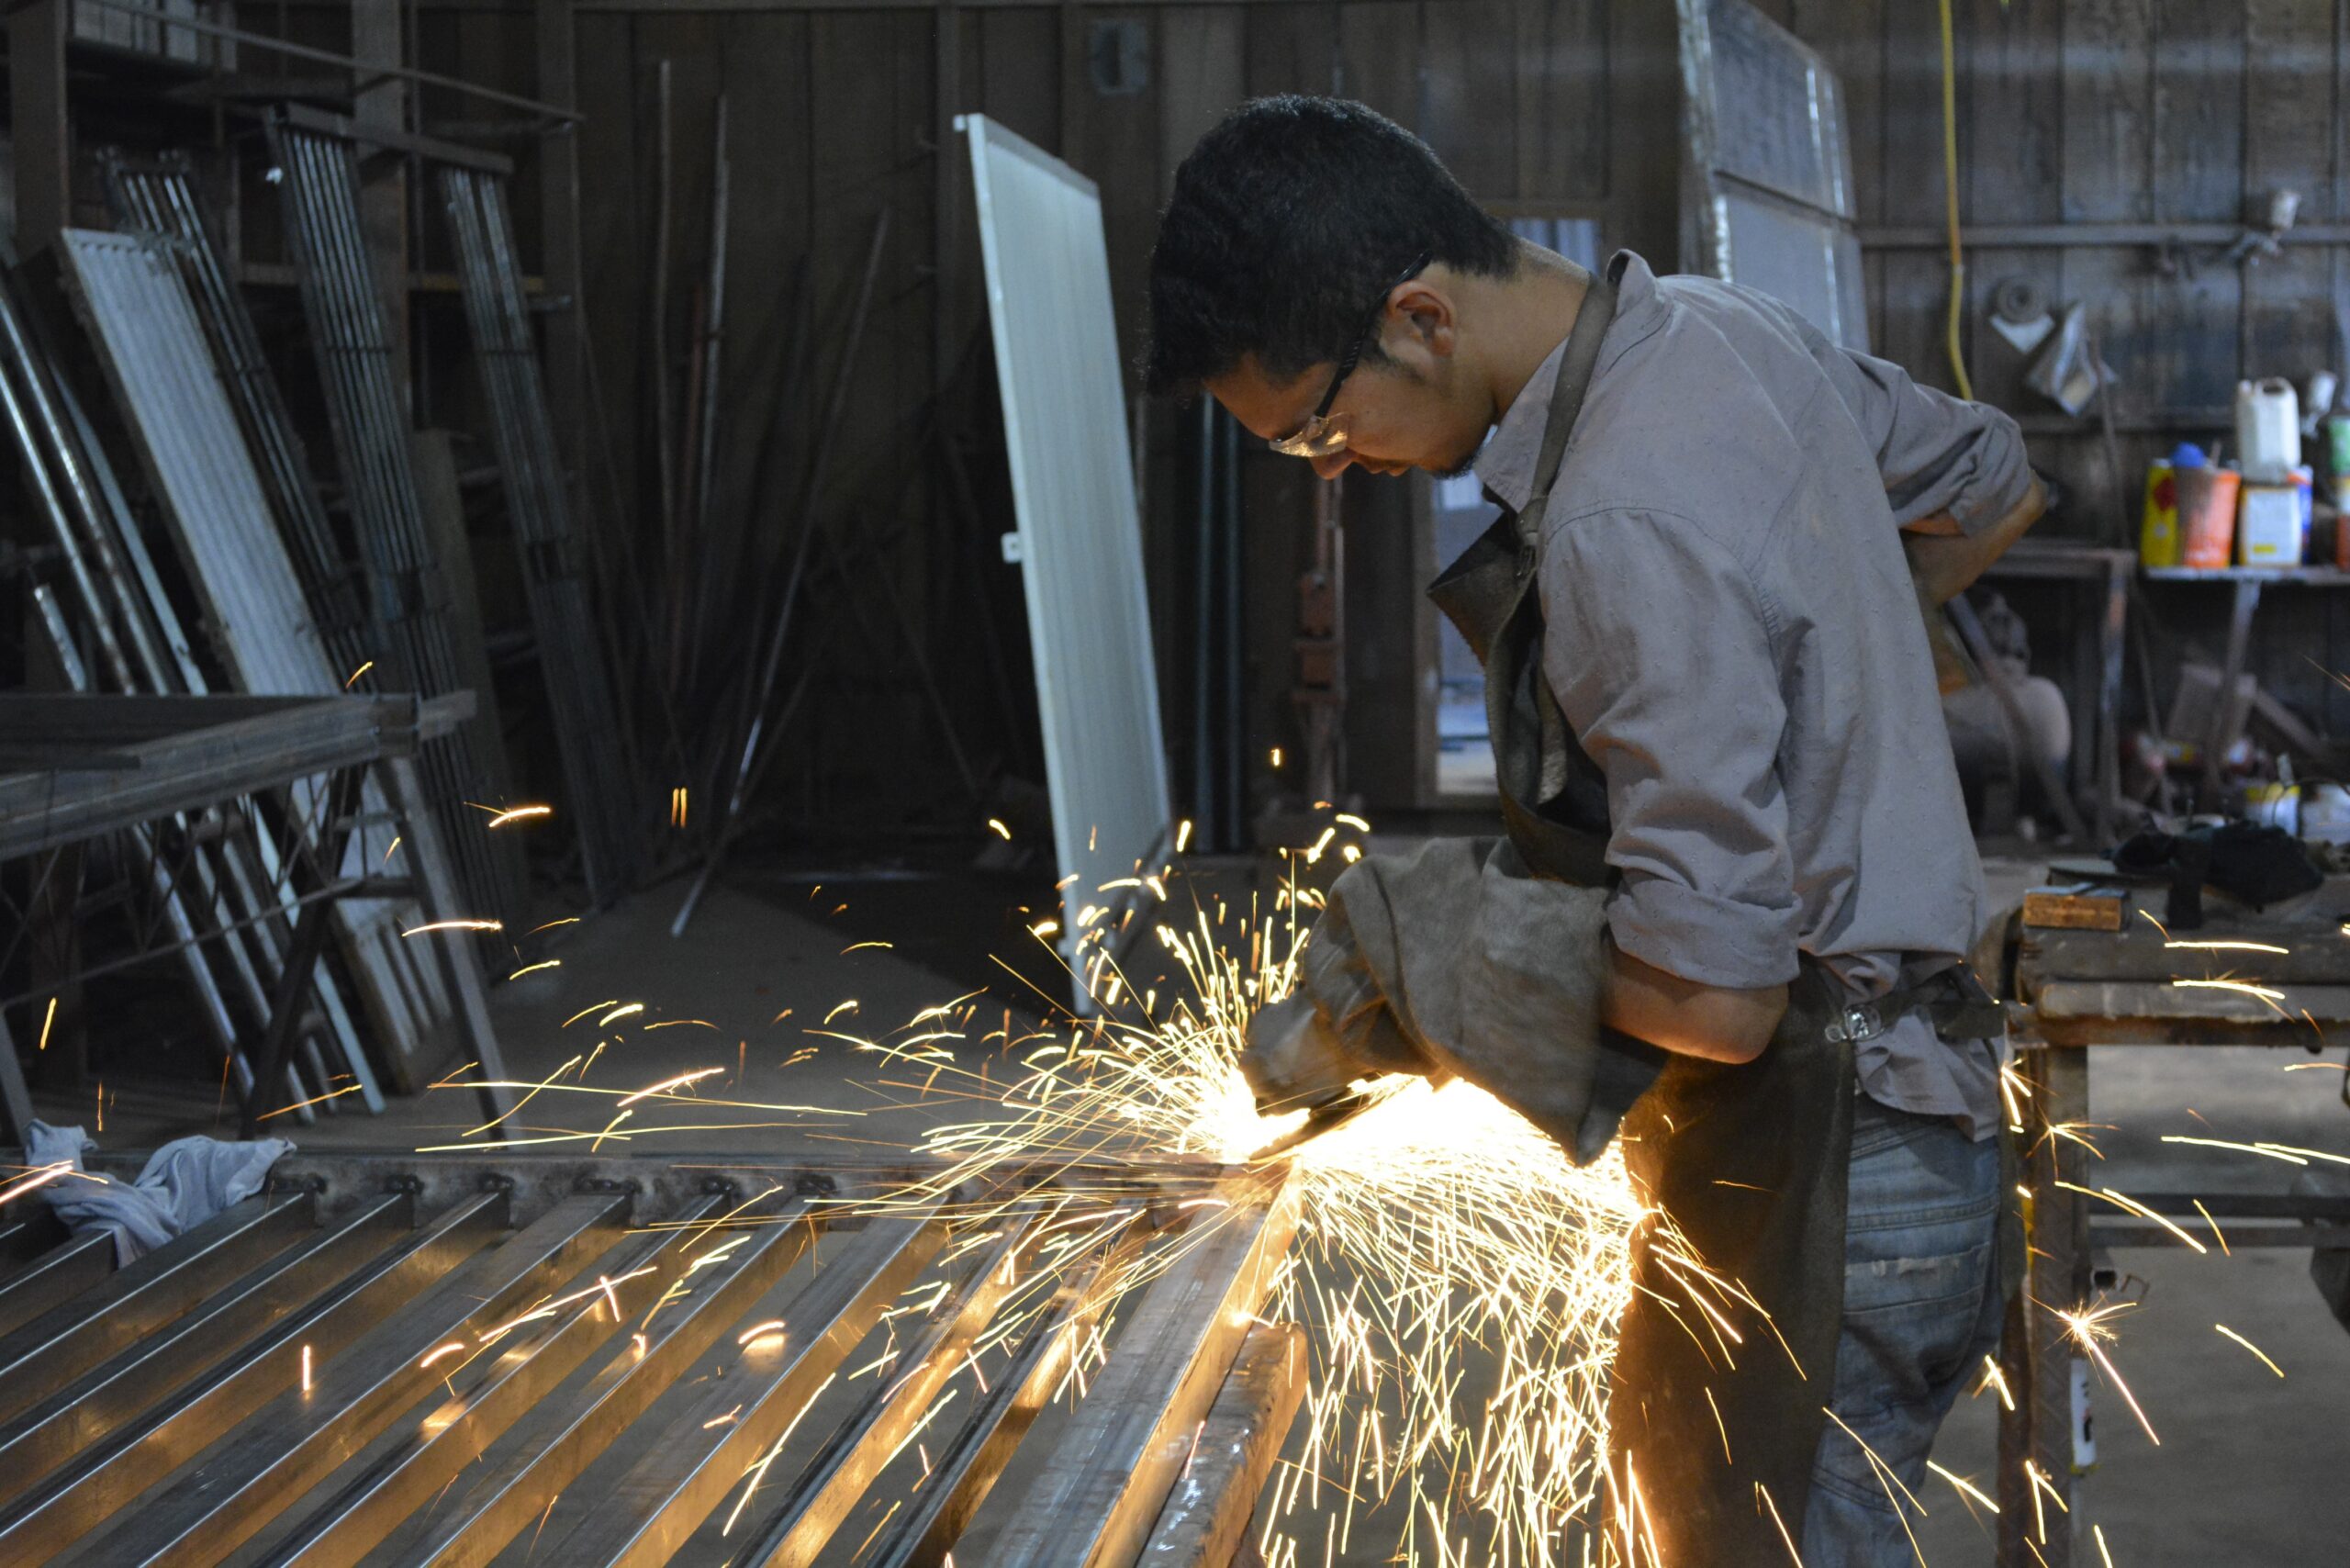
1411	409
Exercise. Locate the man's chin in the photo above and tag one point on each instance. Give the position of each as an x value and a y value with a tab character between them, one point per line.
1460	465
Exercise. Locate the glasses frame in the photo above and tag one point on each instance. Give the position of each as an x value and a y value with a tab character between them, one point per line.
1321	436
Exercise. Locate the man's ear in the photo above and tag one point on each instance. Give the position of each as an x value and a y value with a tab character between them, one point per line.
1421	316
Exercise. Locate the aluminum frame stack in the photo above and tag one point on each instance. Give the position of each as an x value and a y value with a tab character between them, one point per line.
161	199
318	191
387	1360
597	766
136	304
232	911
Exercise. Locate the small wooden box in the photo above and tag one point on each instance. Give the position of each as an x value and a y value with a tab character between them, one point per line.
2074	909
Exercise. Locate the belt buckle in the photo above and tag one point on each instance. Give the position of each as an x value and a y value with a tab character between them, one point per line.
1856	1022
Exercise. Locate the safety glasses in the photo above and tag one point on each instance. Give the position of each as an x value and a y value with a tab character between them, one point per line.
1324	434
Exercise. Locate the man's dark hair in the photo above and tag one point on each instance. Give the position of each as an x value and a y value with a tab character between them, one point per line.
1287	222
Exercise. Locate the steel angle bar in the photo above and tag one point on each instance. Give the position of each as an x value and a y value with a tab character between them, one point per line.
557	1444
296	1439
1207	1514
148	1295
56	1276
969	1463
836	1478
1106	1478
506	1379
647	1514
101	1483
571	653
41	1438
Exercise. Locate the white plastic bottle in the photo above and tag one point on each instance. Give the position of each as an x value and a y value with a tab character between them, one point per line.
2268	430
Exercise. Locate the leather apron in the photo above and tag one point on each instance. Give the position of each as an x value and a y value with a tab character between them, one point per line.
1749	1161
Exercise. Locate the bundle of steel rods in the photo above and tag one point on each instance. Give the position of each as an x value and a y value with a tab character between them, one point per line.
597	755
319	184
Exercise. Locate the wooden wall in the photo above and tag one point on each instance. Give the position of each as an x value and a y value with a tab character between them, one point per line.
837	112
2102	113
2098	112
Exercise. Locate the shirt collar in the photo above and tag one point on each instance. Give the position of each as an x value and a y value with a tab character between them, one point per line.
1506	466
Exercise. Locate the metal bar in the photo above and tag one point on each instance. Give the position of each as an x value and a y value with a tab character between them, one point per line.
56	1276
15	1100
301	960
269	45
2089	236
103	1481
47	1435
299	1438
1107	1476
145	1296
602	794
834	1480
1207	1518
512	1379
559	1444
199	767
967	1467
648	1514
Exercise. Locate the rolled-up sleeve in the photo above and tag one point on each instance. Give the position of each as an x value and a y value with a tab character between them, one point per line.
1937	454
1659	647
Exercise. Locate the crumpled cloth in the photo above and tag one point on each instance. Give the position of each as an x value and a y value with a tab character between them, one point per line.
184	1183
1457	955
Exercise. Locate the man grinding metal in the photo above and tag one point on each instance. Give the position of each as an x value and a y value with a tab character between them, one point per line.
1728	915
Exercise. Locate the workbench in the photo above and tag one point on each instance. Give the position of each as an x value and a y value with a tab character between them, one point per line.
2072	989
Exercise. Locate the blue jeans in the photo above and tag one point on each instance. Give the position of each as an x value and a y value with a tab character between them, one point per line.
1921	1310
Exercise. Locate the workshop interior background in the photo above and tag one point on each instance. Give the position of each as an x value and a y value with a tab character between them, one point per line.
739	603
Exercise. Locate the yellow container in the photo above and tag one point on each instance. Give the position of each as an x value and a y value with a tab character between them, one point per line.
2158	534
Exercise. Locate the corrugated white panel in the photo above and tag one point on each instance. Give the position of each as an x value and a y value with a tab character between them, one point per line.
1072	485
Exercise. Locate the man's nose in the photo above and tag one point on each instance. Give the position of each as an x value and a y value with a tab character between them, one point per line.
1330	467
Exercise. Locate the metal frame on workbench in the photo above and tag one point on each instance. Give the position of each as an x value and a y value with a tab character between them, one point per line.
79	768
2077	989
302	1376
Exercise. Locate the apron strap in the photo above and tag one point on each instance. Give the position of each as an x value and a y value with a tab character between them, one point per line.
1567	393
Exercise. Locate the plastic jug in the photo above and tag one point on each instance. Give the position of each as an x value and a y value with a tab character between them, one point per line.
2268	430
2158	540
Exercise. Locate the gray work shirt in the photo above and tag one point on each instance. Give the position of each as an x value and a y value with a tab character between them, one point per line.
1732	632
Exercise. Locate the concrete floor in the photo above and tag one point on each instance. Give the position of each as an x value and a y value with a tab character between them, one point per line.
2250	1470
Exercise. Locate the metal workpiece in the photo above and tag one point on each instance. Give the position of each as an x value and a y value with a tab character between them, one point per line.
600	779
1208	1511
391	1358
1110	1472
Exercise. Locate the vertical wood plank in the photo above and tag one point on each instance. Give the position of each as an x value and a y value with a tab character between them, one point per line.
1468	92
2291	96
1203	70
1291	49
1915	286
1019	73
1850	34
1379	57
2199	171
613	253
2015	117
1643	93
1563	124
2107	91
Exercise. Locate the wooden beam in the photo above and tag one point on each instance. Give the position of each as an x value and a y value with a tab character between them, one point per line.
38	132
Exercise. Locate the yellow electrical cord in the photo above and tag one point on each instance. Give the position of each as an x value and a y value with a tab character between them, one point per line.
1950	192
